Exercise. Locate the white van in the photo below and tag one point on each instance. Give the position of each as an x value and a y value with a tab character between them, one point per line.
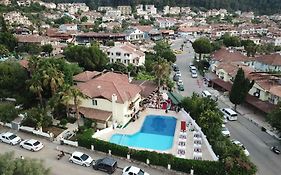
229	114
206	94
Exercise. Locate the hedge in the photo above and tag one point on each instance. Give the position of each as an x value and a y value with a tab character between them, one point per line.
159	159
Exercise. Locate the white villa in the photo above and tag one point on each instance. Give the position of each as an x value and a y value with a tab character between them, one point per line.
127	54
110	98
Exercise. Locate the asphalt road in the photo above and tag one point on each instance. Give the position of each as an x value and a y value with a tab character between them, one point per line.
62	167
257	142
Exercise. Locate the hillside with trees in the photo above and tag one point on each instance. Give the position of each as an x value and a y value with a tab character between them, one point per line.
259	6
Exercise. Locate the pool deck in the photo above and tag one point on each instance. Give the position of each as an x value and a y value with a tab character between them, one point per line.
135	126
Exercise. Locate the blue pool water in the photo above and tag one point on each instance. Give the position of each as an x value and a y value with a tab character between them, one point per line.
157	133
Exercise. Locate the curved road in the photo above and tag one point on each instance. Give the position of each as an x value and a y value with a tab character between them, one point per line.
257	142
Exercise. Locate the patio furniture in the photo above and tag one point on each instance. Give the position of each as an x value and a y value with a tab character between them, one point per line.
183	126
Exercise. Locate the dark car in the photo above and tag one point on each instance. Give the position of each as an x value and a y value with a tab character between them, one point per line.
181	87
176	68
176	78
106	164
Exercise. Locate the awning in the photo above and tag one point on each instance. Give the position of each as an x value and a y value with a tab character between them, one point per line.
95	114
175	97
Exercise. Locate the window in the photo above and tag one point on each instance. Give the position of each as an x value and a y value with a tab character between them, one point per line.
118	60
118	54
112	60
108	53
125	61
95	102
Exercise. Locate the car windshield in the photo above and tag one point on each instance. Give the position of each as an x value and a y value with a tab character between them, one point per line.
36	143
12	137
84	157
224	129
127	169
141	172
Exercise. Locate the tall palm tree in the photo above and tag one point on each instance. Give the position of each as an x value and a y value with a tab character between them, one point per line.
76	95
161	71
52	77
36	86
65	97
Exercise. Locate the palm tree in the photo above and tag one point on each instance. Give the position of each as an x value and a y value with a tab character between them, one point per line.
65	97
76	95
36	86
52	77
161	71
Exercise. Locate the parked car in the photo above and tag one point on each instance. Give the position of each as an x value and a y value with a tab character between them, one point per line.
31	144
176	78
194	74
181	87
238	143
81	159
106	164
178	73
225	131
10	138
179	82
275	149
206	93
132	170
192	68
229	114
176	68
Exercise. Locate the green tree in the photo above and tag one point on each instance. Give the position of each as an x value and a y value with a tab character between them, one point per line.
90	58
250	47
47	48
8	112
202	46
240	88
3	50
9	165
117	66
161	71
163	50
12	79
37	117
8	40
229	40
84	19
274	118
3	25
36	86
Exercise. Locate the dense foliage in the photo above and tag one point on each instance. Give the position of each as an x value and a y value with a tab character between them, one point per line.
260	6
10	165
274	118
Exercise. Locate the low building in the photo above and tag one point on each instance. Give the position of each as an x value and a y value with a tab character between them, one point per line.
134	34
127	54
110	98
268	63
68	27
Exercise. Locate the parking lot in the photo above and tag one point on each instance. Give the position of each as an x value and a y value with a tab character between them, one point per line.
58	167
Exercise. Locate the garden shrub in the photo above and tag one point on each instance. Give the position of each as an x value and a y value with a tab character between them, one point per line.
63	122
71	119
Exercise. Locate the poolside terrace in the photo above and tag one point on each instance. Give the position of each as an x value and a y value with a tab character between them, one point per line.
188	143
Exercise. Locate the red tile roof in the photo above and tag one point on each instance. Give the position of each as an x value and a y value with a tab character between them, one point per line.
107	84
85	76
224	55
272	59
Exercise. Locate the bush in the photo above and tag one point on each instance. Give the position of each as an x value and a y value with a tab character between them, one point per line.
71	119
63	122
184	165
88	123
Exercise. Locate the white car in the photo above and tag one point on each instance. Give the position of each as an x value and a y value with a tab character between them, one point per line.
194	74
81	159
238	143
178	73
229	114
132	170
10	138
179	82
192	68
32	145
225	131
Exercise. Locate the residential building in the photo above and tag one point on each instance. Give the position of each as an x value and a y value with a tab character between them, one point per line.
134	34
5	2
73	8
110	97
165	22
267	63
127	54
36	39
68	27
16	18
23	2
48	5
151	9
104	8
125	10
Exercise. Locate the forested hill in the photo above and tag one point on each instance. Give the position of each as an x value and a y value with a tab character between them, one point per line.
258	6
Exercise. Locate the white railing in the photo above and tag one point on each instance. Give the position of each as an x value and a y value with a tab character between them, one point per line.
101	132
69	142
188	118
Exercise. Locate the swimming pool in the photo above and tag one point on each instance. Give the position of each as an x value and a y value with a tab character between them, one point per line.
157	133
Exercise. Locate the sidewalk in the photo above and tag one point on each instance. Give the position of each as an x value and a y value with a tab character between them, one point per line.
257	118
